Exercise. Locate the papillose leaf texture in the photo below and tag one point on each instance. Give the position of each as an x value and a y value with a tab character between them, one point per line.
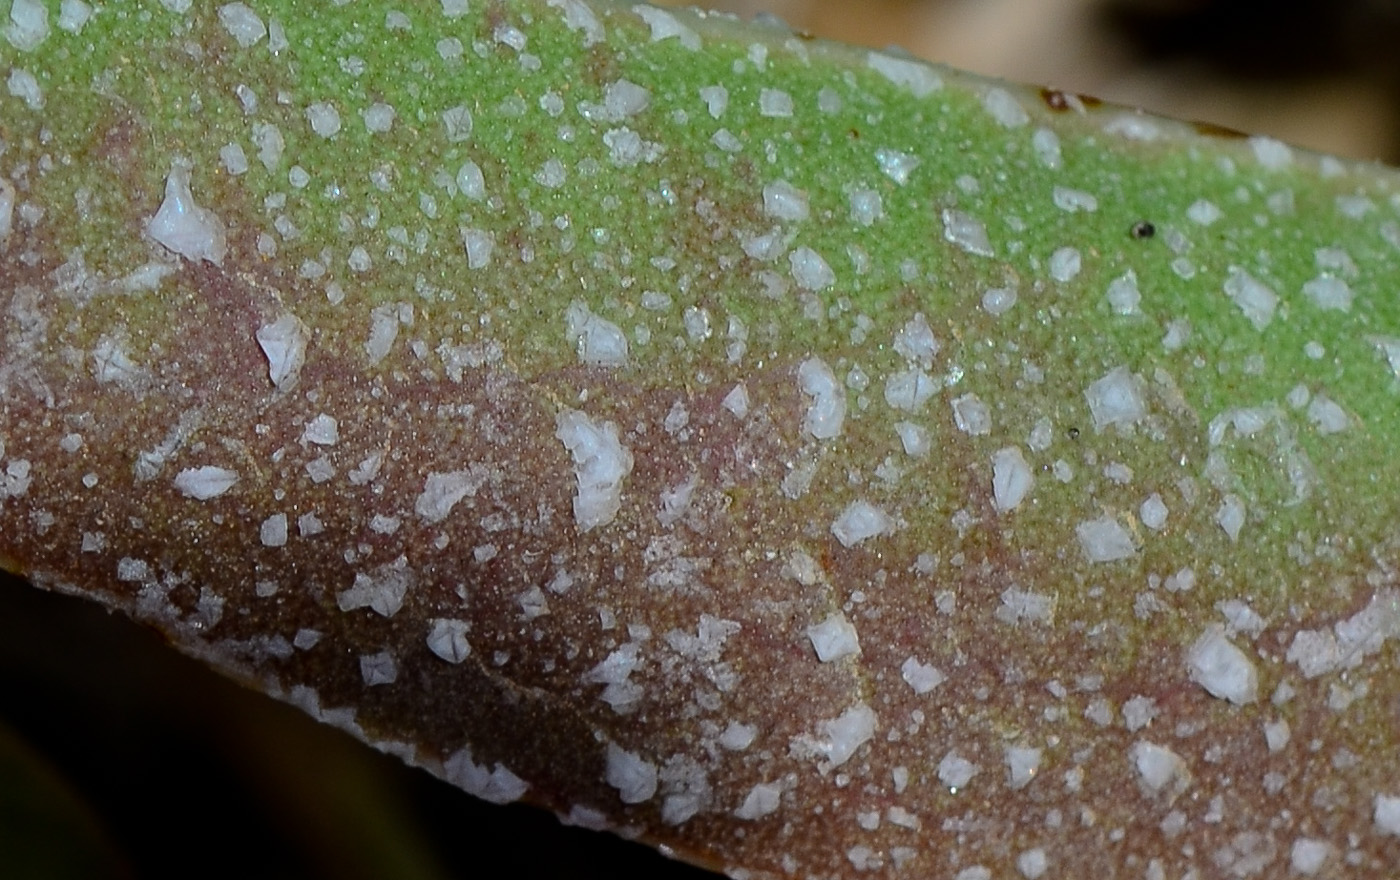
811	461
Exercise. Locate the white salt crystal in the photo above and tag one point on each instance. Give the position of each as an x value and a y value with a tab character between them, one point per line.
1011	478
827	411
634	778
601	463
283	343
447	638
184	227
861	521
1105	540
1221	668
242	23
203	483
834	638
1116	399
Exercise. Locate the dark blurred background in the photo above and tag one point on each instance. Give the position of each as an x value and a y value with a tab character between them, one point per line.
1323	75
120	758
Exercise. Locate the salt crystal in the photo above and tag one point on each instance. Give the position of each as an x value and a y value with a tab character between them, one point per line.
1309	854
716	100
1221	668
1022	765
7	208
921	677
1328	292
896	165
1153	512
915	439
915	340
384	525
383	330
1254	298
909	390
377	669
634	778
1065	263
919	78
273	531
859	522
774	103
1387	814
1123	294
1315	651
1231	515
1105	540
867	206
23	85
577	17
457	124
497	785
1011	478
382	589
1017	605
827	411
28	25
324	119
738	736
764	798
283	343
967	232
834	638
1033	863
184	227
665	26
601	463
1327	415
998	300
1047	148
1116	399
203	483
1004	108
443	491
972	415
470	181
378	117
955	771
784	201
810	270
623	98
73	15
242	23
234	159
1073	200
479	245
1204	212
598	341
1157	765
1272	154
847	733
551	175
737	401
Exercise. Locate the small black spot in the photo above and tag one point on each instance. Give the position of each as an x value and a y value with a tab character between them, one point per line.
1142	229
1054	99
1073	433
1061	101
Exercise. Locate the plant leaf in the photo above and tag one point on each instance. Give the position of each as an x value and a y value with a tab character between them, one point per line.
806	459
